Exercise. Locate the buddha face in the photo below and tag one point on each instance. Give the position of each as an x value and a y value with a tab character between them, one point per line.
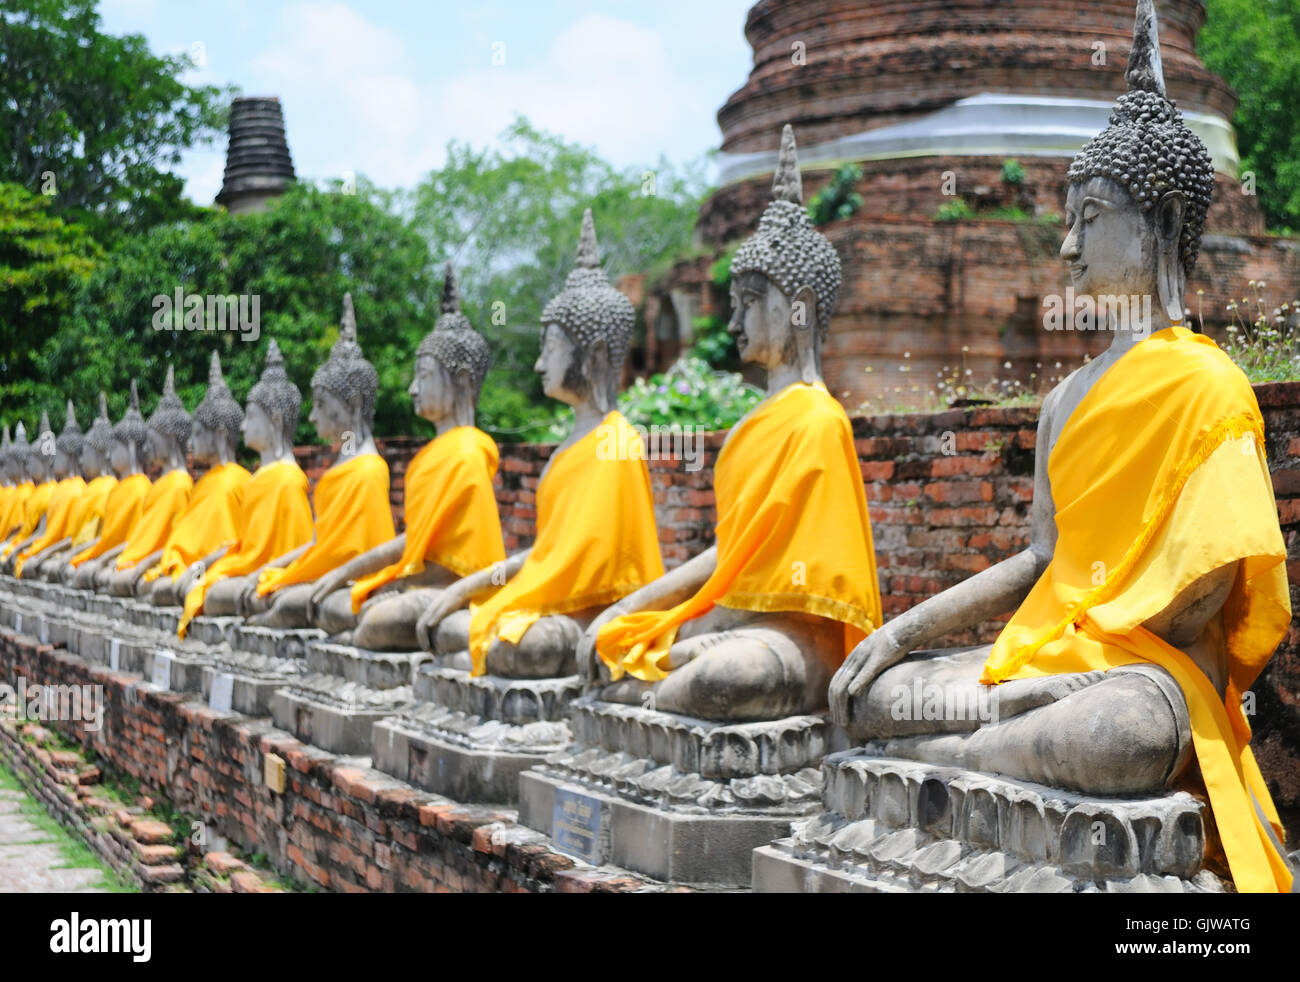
560	366
1111	245
160	448
261	432
761	321
14	471
64	464
92	461
119	456
38	466
331	416
433	396
205	444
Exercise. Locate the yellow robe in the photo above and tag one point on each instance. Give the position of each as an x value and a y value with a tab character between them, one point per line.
1160	477
276	520
33	511
17	503
58	514
8	495
88	514
353	516
211	521
596	538
793	534
121	513
159	512
451	511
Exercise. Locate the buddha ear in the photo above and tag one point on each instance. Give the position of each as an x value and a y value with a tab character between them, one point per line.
803	320
803	310
1171	279
598	375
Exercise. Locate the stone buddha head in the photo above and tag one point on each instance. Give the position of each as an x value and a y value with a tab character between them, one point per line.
130	438
67	446
585	332
98	444
343	389
15	459
214	435
42	451
450	364
784	279
169	427
1139	191
272	411
6	445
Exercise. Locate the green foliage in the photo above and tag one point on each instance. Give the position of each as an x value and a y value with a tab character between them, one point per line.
956	210
299	258
690	393
838	199
712	342
1262	339
509	220
43	263
1012	172
720	271
1253	44
102	117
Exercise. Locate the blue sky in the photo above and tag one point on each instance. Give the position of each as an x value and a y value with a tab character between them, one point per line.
378	88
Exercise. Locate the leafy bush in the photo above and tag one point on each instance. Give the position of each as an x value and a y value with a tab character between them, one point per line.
690	393
955	210
1013	172
837	199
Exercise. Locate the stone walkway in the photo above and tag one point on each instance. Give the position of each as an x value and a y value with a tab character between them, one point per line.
30	856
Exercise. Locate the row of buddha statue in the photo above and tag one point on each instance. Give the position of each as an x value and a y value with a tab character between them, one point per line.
1140	611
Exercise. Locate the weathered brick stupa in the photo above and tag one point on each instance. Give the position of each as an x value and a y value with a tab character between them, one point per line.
930	98
258	165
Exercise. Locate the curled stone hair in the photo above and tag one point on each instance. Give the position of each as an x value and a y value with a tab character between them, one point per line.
100	434
71	439
346	373
218	411
275	392
453	342
1147	148
170	418
131	429
36	449
588	309
787	249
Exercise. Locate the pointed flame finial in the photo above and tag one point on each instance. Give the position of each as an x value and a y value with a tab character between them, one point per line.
450	292
348	325
787	182
588	253
1145	70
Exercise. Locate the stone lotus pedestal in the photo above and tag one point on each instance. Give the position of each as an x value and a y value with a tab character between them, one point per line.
342	692
471	738
895	826
679	799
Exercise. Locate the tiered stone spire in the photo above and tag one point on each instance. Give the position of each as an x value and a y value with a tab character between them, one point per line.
258	165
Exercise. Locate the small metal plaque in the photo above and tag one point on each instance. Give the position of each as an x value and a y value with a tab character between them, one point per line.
222	692
575	824
114	654
162	669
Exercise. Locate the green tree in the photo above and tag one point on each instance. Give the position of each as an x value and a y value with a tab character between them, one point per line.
298	259
1255	46
96	120
508	218
43	263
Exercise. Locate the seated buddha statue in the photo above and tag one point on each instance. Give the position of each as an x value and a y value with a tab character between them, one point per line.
353	514
17	486
596	536
69	485
33	463
168	433
128	447
450	509
212	516
752	628
87	513
276	513
1141	613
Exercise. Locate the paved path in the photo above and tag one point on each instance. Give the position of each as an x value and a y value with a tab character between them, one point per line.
29	855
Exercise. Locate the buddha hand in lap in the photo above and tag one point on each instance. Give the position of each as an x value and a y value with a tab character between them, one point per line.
452	527
167	433
276	513
351	499
596	537
1140	617
753	628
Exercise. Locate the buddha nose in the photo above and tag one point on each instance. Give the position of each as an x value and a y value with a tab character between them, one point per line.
1070	247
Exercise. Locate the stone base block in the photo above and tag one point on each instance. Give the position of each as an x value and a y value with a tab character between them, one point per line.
254	679
333	714
891	825
271	641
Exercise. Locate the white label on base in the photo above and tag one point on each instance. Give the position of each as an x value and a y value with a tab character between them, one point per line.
223	691
162	669
45	631
18	623
114	654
